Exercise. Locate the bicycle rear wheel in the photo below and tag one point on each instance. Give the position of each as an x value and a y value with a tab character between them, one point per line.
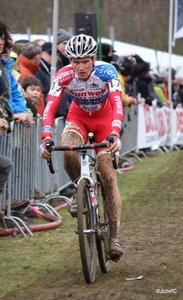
87	239
102	237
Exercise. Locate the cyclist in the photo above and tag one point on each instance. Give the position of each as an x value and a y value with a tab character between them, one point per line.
96	107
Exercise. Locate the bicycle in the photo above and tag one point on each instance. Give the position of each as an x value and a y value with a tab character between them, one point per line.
92	221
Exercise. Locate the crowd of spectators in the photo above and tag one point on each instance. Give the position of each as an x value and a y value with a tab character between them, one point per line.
25	79
25	73
140	84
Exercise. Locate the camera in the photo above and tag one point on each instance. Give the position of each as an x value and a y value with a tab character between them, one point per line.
129	89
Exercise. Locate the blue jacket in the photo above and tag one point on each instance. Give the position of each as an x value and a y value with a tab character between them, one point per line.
16	101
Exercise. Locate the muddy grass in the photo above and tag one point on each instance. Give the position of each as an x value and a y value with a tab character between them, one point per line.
47	266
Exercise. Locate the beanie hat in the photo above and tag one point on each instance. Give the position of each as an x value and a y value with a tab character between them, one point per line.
47	47
2	86
63	35
22	41
106	48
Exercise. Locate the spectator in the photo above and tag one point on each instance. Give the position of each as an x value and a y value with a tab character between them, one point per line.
129	97
2	87
18	46
176	99
5	166
14	68
108	53
5	44
29	59
62	38
143	84
22	41
5	169
159	87
165	76
5	39
40	42
180	91
143	79
124	75
128	82
15	52
32	90
129	68
44	74
28	63
16	100
5	162
3	122
152	93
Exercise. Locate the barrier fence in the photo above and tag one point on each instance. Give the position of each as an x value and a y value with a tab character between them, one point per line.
144	126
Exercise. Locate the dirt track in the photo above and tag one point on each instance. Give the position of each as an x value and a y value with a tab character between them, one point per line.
152	239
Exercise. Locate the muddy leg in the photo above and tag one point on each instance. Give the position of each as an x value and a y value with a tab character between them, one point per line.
114	205
70	158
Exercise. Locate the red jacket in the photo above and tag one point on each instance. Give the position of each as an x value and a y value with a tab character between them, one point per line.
28	69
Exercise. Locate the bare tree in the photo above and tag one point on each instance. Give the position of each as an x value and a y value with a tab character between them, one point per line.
140	22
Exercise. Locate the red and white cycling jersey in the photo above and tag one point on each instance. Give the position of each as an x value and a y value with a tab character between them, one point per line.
100	94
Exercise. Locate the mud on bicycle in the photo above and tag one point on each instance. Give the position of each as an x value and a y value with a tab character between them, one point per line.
92	220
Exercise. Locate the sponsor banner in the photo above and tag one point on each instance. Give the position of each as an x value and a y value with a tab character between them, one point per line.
147	131
158	127
178	137
162	125
170	120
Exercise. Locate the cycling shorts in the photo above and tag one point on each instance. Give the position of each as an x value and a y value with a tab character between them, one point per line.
82	123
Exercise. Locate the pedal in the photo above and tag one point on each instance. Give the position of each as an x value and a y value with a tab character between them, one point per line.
72	213
114	257
100	236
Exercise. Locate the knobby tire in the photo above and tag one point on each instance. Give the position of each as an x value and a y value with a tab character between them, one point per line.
102	238
87	241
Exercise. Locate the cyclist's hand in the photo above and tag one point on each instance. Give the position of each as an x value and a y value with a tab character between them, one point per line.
46	147
115	143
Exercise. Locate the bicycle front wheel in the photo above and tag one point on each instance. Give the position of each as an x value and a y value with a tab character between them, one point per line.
87	235
102	238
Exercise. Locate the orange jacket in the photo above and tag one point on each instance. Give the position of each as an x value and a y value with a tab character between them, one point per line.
28	69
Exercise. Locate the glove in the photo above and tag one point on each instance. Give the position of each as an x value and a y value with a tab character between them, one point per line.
46	145
114	139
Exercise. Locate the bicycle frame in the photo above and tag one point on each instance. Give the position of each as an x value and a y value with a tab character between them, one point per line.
89	170
89	187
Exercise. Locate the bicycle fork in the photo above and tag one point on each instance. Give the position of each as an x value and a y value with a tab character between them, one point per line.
88	172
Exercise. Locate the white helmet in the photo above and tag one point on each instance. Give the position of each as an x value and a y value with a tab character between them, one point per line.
81	46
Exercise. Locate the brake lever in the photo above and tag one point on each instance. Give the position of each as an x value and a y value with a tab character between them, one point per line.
49	162
113	156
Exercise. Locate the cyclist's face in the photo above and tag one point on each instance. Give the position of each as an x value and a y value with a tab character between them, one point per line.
83	66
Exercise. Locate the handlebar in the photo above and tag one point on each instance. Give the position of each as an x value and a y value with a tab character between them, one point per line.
80	147
51	148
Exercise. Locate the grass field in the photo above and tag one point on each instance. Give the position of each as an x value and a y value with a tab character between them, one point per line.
47	266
